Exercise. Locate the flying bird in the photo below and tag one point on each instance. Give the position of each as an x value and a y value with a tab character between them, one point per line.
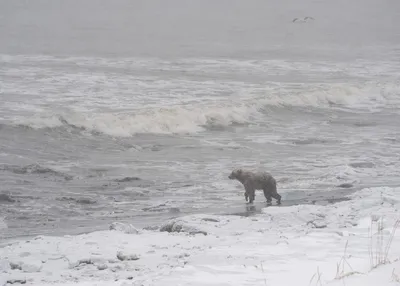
303	20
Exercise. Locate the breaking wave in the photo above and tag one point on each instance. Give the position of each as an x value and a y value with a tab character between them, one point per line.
175	120
220	113
368	97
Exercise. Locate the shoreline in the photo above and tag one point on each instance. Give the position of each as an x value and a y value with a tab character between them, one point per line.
244	209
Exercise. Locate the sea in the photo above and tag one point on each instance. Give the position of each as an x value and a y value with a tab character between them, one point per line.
137	111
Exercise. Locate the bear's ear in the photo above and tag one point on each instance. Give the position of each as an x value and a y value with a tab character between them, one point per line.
239	171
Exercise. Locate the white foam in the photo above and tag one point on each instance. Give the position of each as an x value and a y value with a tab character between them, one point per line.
195	117
82	81
366	97
178	119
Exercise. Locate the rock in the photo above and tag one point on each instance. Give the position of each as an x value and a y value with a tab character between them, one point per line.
210	219
123	257
6	198
183	255
117	268
125	228
318	223
345	185
85	261
177	226
169	227
127	179
31	266
16	281
86	201
15	266
102	266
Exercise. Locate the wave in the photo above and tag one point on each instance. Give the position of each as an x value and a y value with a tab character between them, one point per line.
357	67
363	97
34	169
172	120
219	113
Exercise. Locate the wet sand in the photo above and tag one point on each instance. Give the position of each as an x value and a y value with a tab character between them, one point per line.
317	198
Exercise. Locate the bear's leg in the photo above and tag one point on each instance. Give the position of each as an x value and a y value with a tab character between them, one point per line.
273	193
252	196
267	195
246	196
250	191
277	197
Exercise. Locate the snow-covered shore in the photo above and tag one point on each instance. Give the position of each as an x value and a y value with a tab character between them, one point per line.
296	245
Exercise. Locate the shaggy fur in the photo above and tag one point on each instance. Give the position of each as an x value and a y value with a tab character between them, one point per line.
256	181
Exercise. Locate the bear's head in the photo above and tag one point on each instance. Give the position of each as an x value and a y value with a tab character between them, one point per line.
235	174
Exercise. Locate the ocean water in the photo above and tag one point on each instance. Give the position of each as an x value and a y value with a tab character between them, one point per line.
137	111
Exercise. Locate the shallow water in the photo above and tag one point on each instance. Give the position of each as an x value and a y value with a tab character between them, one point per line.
173	96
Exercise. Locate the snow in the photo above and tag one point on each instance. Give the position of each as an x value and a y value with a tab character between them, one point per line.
296	245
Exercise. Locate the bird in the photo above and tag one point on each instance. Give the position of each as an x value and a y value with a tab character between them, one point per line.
305	19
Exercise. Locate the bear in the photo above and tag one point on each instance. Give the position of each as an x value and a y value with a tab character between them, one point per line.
253	181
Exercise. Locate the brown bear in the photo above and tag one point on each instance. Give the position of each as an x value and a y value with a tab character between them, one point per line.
253	181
